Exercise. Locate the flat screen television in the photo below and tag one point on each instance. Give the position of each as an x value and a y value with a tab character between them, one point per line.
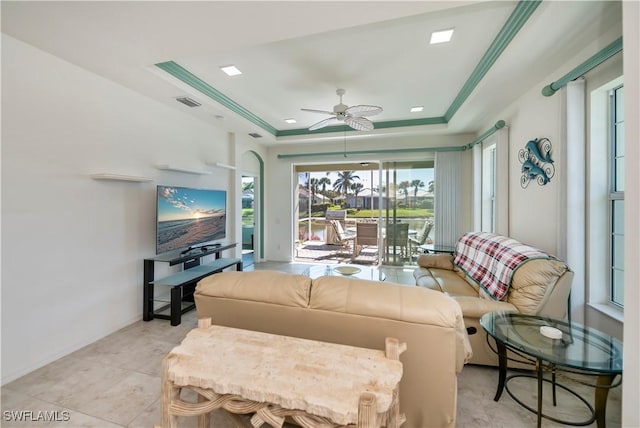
187	217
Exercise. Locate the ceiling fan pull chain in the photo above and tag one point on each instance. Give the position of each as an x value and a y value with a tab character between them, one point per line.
345	142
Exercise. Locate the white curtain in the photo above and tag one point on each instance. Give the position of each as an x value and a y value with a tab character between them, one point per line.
572	203
502	182
477	187
447	197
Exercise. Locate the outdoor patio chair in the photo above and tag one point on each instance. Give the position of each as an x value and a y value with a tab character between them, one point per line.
345	239
420	237
366	235
397	238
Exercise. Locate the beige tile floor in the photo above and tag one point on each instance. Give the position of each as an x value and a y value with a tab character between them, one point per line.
115	382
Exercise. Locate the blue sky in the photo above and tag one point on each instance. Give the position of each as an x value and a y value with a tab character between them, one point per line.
178	203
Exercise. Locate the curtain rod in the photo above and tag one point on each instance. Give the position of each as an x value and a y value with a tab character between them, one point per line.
499	124
583	68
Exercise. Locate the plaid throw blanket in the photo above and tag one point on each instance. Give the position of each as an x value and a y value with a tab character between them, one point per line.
491	260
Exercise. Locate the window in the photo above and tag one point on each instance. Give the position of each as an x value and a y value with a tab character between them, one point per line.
489	188
616	194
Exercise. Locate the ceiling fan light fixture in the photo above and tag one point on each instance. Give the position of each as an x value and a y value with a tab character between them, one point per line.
230	70
417	109
442	36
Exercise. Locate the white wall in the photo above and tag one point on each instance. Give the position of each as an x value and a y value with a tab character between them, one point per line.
72	246
280	188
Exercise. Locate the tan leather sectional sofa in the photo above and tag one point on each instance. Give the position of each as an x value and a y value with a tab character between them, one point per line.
358	313
538	287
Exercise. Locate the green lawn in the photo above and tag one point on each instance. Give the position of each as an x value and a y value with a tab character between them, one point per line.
400	213
247	216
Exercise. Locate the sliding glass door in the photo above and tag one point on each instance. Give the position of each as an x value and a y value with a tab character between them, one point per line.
395	196
407	217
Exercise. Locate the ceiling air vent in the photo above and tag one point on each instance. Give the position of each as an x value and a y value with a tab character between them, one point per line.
188	102
255	135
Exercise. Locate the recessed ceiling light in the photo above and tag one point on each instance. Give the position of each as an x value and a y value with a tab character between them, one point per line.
416	109
290	120
441	36
231	70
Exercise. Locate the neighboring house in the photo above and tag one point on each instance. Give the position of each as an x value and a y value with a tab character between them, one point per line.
304	194
247	198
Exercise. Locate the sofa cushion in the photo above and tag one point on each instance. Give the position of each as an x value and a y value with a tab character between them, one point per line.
532	282
383	300
472	307
391	301
451	282
275	287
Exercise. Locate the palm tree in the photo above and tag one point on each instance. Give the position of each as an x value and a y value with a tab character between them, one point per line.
344	182
357	188
248	185
324	182
416	184
314	186
430	189
404	186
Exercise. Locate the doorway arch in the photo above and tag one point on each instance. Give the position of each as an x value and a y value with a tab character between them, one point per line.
253	165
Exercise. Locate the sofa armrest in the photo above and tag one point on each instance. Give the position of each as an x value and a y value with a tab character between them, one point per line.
440	261
475	307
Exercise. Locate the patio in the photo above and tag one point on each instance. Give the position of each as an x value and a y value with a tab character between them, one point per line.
321	252
324	246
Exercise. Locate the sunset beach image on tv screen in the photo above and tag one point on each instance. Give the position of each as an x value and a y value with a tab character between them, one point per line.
186	217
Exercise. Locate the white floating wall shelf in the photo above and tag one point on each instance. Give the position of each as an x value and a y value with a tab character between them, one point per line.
221	165
119	177
165	167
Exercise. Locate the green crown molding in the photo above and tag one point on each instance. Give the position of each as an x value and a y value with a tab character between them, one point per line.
520	15
523	10
374	152
377	125
498	125
181	73
584	68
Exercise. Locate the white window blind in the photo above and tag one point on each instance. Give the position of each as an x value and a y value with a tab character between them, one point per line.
447	197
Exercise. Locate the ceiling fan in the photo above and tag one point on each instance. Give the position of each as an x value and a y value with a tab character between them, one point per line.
352	116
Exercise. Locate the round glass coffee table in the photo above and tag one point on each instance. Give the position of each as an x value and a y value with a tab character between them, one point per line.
349	271
557	347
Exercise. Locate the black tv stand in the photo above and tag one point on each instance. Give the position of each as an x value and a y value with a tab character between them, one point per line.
182	283
201	248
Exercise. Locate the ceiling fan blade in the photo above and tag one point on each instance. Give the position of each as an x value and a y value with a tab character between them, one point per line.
363	110
359	123
316	111
323	123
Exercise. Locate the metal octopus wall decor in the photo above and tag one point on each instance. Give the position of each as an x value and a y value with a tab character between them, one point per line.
536	162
